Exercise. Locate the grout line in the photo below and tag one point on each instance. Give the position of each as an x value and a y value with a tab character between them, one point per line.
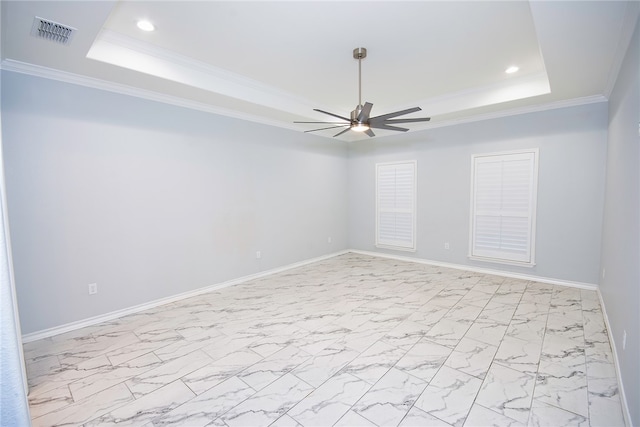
381	340
544	335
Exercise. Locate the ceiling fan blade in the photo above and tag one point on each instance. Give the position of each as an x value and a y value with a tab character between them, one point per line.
370	132
331	114
422	119
329	123
387	127
396	114
365	112
332	127
341	132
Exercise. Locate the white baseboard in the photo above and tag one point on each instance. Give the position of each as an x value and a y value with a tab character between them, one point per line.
623	397
551	281
68	327
46	333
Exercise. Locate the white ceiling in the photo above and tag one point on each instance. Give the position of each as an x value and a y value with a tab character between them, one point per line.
273	62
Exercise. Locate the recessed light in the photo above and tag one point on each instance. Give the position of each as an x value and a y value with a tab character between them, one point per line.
511	69
145	25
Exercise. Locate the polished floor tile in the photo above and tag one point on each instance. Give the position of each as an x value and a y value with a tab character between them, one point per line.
349	341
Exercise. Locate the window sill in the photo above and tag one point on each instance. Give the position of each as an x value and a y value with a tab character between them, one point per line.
396	248
503	261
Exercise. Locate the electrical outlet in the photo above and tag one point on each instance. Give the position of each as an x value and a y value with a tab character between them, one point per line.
446	246
624	340
93	288
258	255
329	239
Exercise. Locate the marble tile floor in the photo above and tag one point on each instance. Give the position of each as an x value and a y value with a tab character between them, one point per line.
349	341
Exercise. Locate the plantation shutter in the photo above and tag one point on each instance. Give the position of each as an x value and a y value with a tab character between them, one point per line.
395	205
503	206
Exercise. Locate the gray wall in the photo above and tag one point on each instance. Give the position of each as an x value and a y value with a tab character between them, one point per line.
14	408
149	200
572	143
620	286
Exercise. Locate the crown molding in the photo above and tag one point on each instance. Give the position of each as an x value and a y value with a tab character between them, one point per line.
94	83
187	62
568	103
513	89
122	51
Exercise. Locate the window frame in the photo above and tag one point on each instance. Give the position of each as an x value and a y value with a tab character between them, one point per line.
532	215
386	245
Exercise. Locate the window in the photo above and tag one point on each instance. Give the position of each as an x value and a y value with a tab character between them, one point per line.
503	207
396	205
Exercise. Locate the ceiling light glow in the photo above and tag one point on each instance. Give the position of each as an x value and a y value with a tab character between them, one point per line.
512	69
145	25
360	127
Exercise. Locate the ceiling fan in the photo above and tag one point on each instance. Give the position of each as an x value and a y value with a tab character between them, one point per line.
360	120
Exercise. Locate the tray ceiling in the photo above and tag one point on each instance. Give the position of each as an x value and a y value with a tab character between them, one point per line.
273	62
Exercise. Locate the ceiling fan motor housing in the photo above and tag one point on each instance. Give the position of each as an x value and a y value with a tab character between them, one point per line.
355	113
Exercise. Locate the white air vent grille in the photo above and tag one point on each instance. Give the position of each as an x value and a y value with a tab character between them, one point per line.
54	31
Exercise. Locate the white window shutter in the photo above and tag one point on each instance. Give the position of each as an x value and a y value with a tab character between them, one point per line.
503	206
395	205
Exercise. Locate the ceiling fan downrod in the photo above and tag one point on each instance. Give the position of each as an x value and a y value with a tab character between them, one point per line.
359	53
357	123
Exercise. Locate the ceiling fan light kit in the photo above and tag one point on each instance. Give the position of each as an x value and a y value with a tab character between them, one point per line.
360	120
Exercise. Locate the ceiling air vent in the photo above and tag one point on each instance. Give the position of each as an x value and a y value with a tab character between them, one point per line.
54	31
